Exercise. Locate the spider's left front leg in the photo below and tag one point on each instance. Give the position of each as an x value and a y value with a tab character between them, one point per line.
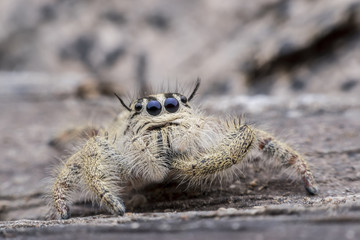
234	147
231	150
286	157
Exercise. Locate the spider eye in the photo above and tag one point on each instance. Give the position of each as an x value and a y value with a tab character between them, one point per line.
138	107
153	107
183	99
171	105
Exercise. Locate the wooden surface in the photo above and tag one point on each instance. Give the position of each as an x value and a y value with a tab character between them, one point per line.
260	203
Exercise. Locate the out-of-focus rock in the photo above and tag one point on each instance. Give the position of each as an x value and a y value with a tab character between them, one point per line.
275	47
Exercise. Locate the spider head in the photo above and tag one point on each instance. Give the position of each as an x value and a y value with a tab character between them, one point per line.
160	105
159	110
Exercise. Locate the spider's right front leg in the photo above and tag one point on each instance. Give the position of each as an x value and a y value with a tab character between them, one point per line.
100	167
64	185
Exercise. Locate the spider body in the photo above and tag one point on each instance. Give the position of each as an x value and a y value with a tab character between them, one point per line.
163	137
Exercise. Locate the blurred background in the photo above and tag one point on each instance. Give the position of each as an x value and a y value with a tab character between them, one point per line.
279	61
272	47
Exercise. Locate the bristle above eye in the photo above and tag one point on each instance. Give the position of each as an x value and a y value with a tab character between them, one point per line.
122	102
195	89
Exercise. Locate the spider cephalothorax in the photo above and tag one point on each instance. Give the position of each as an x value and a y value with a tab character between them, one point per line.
157	111
162	137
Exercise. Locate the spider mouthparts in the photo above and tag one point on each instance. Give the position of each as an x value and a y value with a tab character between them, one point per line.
159	126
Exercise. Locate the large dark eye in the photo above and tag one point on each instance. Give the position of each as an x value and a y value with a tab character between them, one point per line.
153	107
171	105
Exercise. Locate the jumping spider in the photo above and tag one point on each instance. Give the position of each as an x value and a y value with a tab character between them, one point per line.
162	137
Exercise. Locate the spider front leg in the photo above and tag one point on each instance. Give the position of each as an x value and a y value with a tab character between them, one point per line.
64	185
286	157
100	167
234	147
230	151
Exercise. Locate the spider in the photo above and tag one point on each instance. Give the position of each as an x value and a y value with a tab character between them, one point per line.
161	137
